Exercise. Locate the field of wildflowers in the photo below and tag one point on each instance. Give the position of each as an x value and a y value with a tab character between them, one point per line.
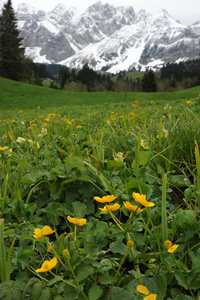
101	202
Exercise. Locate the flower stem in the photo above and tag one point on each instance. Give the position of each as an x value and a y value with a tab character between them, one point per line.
136	264
57	255
117	273
157	240
127	239
64	280
185	280
71	269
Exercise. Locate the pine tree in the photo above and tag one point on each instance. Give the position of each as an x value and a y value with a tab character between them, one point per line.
11	50
149	82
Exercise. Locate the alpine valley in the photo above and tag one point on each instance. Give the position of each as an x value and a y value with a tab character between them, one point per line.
106	37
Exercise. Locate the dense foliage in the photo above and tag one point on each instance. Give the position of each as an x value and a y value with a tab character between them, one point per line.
100	201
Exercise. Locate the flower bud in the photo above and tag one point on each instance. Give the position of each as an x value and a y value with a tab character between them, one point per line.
65	253
130	244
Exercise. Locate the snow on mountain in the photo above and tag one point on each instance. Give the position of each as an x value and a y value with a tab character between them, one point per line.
106	37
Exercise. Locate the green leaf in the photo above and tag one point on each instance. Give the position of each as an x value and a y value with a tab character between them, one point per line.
183	297
118	247
11	290
180	279
56	190
160	287
195	257
95	292
139	185
46	295
106	279
113	165
36	291
179	180
119	293
143	159
84	272
32	178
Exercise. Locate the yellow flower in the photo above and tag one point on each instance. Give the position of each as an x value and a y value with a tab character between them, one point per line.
46	230
50	248
170	248
105	199
79	126
48	265
79	222
113	207
140	198
2	148
131	207
189	102
143	290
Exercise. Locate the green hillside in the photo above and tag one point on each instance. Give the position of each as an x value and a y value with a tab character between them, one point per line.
24	96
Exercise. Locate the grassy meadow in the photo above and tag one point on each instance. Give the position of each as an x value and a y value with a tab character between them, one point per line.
99	194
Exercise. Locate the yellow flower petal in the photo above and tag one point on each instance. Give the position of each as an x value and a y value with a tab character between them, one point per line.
79	222
46	230
105	199
143	289
48	265
50	248
151	297
113	207
131	207
140	198
173	248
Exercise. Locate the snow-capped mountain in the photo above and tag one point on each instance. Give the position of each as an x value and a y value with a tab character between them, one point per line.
106	37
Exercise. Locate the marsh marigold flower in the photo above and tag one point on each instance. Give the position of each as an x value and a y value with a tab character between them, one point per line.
170	248
46	230
140	198
79	222
48	265
144	290
131	207
50	248
113	207
105	199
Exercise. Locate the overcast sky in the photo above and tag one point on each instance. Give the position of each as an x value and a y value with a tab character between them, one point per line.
186	11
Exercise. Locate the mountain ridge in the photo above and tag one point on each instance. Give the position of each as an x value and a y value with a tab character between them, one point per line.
106	37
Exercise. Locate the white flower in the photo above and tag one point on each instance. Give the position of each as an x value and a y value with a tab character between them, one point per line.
43	132
119	157
20	140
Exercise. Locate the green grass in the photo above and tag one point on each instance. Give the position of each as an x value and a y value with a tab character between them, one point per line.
17	95
56	160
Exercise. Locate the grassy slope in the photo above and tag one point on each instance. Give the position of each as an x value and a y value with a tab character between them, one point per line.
24	96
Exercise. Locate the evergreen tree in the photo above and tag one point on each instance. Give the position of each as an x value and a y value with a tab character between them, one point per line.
149	82
11	50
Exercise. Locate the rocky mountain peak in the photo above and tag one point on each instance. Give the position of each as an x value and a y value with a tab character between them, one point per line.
106	37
